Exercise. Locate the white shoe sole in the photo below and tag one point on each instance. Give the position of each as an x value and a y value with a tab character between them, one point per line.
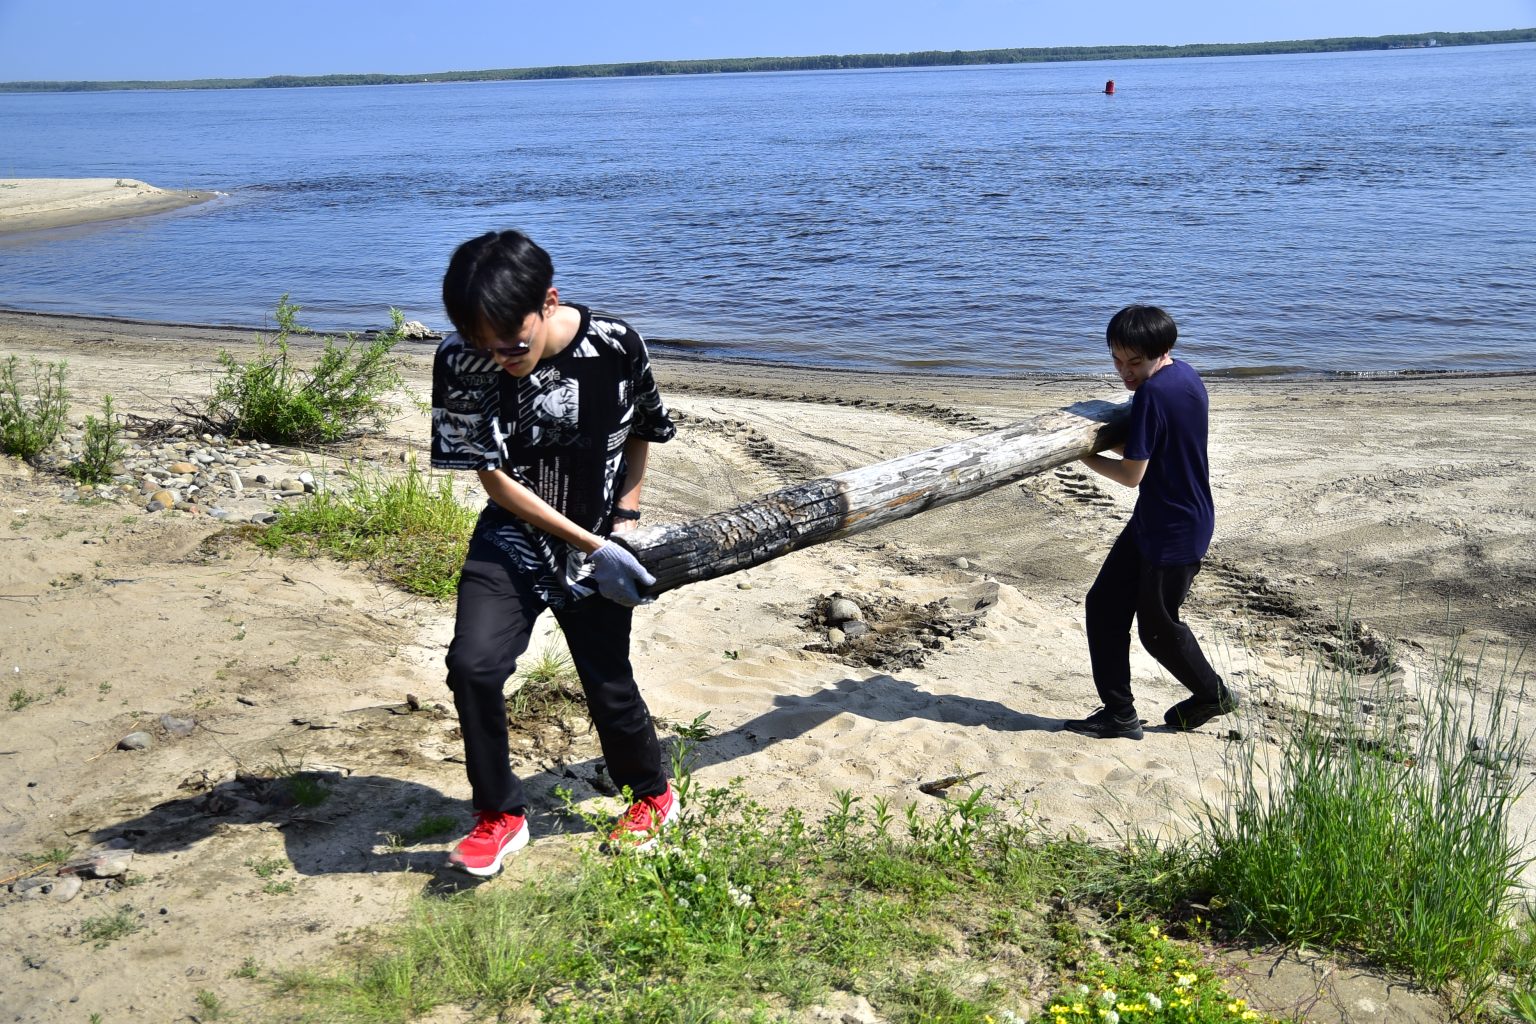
494	867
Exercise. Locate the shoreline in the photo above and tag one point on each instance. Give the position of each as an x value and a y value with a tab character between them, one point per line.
664	351
42	204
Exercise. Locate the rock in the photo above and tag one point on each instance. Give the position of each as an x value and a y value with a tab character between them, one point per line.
835	637
181	468
136	741
246	699
100	864
161	500
306	477
177	726
264	518
62	888
843	610
962	563
235	483
1478	743
288	485
855	628
415	330
743	585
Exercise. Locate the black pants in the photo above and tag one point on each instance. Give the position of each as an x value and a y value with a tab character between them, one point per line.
1129	587
496	611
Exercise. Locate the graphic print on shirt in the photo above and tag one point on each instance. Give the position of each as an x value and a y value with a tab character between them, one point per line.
561	432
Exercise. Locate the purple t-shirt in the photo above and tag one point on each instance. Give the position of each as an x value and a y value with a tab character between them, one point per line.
1174	516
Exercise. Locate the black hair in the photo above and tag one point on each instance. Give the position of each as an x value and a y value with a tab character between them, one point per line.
1146	330
494	281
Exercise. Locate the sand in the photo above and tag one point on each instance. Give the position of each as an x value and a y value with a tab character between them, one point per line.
35	204
1406	503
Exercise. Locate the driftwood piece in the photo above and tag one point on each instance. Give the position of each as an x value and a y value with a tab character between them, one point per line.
861	499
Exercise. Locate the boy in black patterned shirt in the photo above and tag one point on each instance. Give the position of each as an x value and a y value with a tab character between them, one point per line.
554	407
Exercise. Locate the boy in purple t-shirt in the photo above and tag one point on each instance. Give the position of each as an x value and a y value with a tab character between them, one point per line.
1147	573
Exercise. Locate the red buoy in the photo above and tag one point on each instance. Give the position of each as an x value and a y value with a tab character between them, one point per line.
1109	87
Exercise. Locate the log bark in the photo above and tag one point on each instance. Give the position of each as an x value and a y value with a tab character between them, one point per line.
851	502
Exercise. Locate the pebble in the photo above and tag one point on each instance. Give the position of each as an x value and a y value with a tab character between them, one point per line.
962	563
743	585
136	741
855	628
161	500
835	636
1479	743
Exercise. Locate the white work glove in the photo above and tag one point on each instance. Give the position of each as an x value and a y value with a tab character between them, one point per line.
618	575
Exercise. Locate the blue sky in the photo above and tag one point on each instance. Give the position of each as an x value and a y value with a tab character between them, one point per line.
172	39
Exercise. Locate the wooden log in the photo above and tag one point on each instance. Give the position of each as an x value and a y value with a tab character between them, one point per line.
861	499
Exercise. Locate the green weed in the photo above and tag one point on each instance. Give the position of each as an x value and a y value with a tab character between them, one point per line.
267	867
410	528
107	928
22	697
31	417
210	1004
273	398
102	447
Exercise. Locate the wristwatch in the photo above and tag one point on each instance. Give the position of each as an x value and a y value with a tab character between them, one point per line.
626	513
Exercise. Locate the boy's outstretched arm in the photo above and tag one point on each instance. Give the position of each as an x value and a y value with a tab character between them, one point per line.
1122	471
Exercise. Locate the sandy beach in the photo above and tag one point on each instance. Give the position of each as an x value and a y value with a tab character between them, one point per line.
35	204
1406	505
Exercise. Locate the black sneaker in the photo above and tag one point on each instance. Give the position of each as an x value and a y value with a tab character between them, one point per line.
1104	724
1192	712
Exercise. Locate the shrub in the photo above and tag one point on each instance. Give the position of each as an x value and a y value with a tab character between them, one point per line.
102	447
272	398
30	423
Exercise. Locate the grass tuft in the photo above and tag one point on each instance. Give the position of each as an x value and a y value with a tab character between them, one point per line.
410	528
1387	834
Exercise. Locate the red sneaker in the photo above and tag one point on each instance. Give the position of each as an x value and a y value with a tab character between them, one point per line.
640	827
494	836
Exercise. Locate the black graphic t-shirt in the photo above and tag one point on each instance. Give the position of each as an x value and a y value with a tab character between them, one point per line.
560	432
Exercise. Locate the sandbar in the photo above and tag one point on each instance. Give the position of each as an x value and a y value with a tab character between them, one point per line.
36	204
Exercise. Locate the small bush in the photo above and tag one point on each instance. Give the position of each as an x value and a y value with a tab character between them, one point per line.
272	398
30	422
102	447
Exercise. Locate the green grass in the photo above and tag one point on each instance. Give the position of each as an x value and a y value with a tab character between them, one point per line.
107	928
21	697
1389	835
752	913
409	528
430	827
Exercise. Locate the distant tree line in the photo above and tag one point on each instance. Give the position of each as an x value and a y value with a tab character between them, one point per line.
826	62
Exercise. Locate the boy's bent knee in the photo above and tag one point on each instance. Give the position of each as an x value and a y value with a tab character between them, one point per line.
472	669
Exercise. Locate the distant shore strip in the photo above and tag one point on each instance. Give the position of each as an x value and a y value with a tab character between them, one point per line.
825	62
